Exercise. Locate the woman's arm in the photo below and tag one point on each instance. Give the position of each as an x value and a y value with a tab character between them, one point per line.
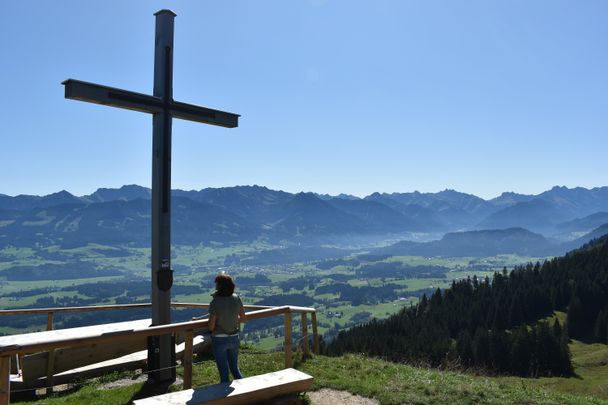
212	319
242	316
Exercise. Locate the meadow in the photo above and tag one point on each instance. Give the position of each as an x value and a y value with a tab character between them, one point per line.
389	383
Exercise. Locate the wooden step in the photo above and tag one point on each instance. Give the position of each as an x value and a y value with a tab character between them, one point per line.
244	391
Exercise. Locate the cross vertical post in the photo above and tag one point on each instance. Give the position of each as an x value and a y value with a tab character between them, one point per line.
161	349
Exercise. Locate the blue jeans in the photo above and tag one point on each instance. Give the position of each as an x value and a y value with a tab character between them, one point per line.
226	353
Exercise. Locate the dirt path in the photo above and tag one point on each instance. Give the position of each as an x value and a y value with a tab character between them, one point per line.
327	396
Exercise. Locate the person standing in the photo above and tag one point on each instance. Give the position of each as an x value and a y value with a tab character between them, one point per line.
226	312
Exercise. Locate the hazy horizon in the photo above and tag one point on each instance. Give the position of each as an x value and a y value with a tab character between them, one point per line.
85	193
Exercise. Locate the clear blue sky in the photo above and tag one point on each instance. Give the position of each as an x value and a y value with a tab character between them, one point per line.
335	96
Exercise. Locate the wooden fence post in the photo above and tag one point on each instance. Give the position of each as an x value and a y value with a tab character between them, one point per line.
49	321
305	335
187	363
287	344
5	380
315	335
50	371
50	364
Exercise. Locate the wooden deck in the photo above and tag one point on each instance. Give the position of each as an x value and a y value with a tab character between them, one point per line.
245	391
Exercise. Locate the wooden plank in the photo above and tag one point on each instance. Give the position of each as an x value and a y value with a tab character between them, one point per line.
5	380
199	343
287	343
305	334
34	366
294	308
43	364
15	364
52	342
244	391
50	370
315	333
117	307
128	362
265	313
49	321
13	345
187	362
50	362
33	311
25	339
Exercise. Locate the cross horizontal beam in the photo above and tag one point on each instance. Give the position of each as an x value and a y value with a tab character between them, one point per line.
130	100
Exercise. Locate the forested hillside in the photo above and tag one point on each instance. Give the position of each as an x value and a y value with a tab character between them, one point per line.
492	324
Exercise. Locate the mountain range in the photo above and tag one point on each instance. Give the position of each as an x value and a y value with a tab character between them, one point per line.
247	213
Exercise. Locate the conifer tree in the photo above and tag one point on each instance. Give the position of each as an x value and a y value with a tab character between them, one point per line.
576	317
521	351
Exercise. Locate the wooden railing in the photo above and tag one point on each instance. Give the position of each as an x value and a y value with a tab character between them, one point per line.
186	328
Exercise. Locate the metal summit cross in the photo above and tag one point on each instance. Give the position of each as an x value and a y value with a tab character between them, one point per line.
161	352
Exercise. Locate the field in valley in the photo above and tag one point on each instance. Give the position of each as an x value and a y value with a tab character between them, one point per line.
345	290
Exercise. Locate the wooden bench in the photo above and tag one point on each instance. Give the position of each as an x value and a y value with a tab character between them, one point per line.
248	390
71	363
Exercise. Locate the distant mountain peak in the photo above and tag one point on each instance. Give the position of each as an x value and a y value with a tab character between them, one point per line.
125	193
341	196
134	187
60	197
62	193
251	187
306	196
347	196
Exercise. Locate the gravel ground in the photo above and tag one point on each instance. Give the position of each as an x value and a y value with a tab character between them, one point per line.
327	396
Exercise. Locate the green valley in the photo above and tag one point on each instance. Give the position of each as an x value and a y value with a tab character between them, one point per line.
345	290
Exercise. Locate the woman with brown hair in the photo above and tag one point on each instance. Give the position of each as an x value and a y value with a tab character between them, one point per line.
225	315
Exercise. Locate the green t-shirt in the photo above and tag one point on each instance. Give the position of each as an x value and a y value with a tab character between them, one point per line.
226	311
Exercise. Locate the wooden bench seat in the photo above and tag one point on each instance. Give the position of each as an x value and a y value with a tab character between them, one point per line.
34	366
71	363
244	391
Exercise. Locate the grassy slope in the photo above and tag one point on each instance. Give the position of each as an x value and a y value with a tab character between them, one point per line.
388	382
591	367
